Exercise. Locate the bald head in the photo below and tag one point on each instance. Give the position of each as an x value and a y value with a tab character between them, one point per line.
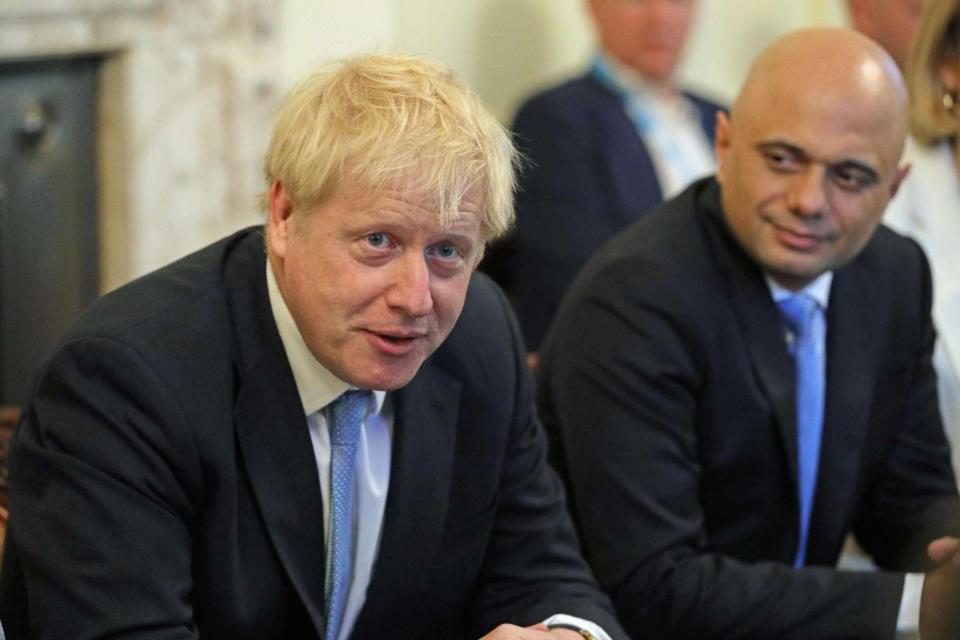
807	159
833	71
822	62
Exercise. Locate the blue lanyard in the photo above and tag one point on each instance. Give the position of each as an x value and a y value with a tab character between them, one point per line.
632	103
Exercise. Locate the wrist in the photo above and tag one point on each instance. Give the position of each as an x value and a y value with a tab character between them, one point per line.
581	633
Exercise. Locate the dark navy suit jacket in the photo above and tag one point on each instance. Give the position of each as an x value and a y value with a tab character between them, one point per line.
668	390
163	484
587	176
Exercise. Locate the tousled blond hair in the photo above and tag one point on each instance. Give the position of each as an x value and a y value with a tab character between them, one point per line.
938	40
381	121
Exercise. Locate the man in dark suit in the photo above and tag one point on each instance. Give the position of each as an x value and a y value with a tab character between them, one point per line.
602	150
295	432
718	450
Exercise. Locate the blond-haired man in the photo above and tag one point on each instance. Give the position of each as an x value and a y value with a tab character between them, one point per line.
318	429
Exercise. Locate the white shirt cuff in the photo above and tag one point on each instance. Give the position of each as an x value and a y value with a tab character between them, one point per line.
908	620
590	627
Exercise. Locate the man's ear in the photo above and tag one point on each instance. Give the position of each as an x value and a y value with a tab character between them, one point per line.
723	141
480	255
593	7
279	220
722	134
902	173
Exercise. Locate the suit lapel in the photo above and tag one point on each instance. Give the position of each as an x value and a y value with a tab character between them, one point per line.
272	433
764	334
851	371
424	438
762	330
851	376
631	166
278	457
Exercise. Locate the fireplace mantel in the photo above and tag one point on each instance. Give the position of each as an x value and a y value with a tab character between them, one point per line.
187	91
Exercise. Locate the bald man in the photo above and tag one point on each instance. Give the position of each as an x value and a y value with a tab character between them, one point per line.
891	23
743	377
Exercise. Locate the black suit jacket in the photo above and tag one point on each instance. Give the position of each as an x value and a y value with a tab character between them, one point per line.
669	392
163	483
588	176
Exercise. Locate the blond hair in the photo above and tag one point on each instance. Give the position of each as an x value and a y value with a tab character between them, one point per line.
383	120
938	39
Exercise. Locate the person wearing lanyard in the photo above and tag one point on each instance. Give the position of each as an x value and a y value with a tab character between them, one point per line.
601	150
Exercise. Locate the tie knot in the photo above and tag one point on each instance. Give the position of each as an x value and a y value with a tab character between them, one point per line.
798	311
347	413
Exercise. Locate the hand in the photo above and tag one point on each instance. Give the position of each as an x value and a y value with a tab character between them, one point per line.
940	602
533	361
536	632
3	528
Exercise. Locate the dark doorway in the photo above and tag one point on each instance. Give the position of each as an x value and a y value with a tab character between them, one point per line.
48	221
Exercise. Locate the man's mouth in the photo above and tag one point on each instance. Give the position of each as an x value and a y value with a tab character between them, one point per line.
395	342
798	240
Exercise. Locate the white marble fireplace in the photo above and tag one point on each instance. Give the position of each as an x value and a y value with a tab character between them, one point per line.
187	90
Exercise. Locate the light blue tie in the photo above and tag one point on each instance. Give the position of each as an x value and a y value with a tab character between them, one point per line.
346	416
805	320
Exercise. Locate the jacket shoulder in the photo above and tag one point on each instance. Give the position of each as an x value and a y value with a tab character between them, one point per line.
166	294
573	96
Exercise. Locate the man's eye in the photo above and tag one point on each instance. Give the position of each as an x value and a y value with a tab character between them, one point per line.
852	179
780	159
447	251
378	240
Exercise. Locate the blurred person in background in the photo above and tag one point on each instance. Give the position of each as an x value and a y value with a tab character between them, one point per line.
602	149
891	23
928	206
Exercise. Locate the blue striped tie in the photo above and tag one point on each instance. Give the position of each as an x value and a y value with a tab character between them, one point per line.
802	314
347	414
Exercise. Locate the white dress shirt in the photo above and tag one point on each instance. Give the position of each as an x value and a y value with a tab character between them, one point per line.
908	619
318	388
927	208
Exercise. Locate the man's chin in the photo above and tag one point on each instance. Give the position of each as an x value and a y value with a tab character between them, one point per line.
794	277
381	376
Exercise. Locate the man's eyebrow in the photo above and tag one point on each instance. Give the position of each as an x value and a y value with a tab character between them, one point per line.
782	145
460	226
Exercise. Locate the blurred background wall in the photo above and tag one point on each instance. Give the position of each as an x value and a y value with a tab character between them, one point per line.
178	96
507	48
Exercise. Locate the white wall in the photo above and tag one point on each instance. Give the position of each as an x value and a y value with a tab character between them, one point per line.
505	49
730	33
312	31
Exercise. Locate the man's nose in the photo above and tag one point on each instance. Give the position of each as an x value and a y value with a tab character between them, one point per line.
806	194
410	289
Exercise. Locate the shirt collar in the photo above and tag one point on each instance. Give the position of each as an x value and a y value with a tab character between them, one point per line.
819	289
316	385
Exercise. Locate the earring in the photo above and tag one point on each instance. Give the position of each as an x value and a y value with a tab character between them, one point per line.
950	100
